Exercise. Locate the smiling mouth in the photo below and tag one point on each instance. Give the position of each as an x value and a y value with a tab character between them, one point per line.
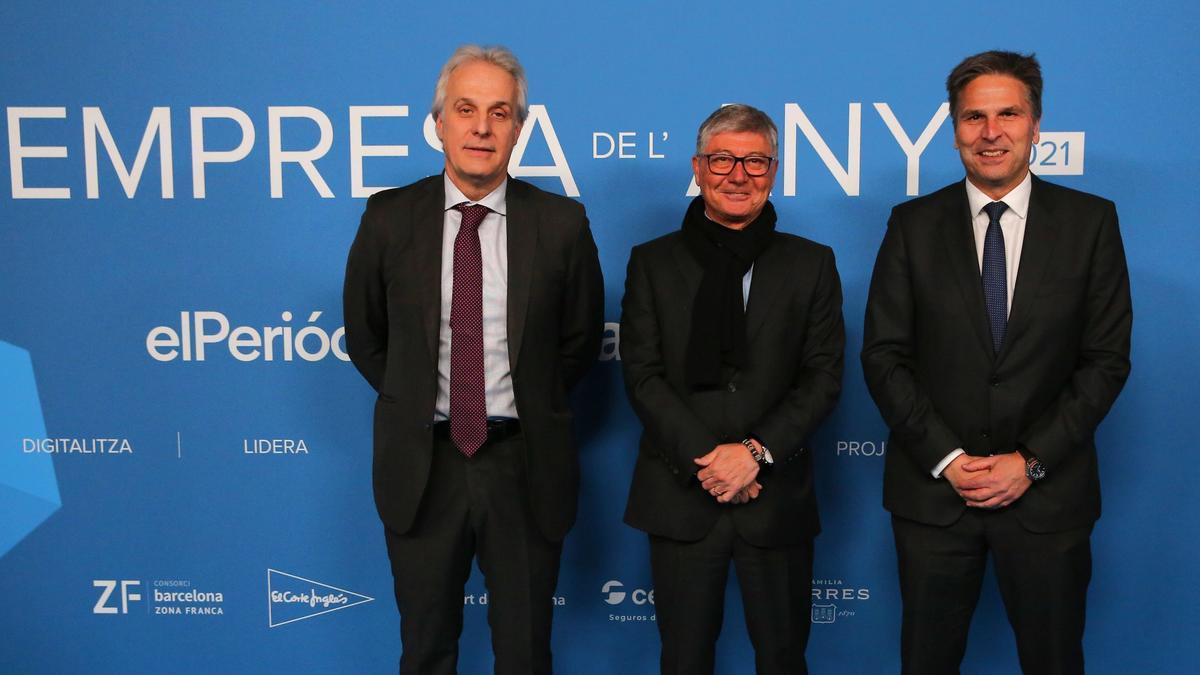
993	153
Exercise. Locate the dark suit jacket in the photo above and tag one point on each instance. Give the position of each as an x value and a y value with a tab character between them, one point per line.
555	320
792	379
928	360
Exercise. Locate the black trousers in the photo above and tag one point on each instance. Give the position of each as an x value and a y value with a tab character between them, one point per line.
689	598
1043	581
475	508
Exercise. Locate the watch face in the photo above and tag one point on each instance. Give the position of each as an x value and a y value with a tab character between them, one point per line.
1034	470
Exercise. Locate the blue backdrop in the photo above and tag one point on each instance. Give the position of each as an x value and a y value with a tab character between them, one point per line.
185	452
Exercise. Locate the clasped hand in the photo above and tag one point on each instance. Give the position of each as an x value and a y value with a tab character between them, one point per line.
988	482
728	473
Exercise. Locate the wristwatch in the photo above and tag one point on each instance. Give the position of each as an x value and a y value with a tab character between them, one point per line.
761	456
1034	469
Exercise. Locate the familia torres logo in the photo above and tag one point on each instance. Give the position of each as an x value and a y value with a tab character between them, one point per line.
833	598
291	598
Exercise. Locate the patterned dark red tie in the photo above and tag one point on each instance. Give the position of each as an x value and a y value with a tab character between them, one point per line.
468	404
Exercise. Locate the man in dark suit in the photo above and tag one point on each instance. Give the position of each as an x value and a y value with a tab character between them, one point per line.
996	339
473	303
731	341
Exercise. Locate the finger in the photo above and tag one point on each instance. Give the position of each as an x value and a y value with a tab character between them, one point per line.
975	484
978	497
705	460
979	494
723	479
981	464
994	502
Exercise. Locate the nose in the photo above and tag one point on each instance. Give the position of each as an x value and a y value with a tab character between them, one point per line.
481	125
738	175
991	128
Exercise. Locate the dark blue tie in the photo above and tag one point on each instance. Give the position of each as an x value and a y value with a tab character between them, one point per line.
995	280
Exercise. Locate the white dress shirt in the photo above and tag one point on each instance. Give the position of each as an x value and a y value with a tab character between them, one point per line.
1012	224
493	244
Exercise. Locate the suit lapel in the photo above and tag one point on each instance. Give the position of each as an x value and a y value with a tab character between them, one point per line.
771	271
522	224
963	260
691	274
1041	231
428	218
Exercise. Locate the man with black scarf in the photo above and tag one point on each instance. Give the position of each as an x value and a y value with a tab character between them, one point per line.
731	341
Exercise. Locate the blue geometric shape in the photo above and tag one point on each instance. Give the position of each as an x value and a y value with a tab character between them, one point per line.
28	486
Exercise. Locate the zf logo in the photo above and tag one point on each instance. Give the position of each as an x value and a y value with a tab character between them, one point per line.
615	596
110	585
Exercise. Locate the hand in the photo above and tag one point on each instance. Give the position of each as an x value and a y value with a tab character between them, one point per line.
990	482
956	475
726	470
748	493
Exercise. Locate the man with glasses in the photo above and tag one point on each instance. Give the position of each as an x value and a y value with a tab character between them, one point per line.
731	342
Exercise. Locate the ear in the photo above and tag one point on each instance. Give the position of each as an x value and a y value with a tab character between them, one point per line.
438	126
1037	131
696	168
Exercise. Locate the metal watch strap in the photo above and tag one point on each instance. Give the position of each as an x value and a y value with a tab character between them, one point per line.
759	455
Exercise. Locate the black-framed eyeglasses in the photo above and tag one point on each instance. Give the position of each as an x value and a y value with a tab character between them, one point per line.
722	164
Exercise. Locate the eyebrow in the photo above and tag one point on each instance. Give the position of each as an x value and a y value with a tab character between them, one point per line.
470	101
972	111
752	153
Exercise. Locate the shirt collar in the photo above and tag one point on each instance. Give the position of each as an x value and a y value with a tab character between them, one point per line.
496	200
1017	199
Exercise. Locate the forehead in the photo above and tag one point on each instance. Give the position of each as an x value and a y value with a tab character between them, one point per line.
994	90
739	143
483	82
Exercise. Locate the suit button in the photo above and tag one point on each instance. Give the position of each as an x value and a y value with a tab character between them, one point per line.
995	381
985	434
732	387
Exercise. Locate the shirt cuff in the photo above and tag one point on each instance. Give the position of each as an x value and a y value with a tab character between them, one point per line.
937	470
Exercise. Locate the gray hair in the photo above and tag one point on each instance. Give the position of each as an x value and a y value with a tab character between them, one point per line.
497	56
737	117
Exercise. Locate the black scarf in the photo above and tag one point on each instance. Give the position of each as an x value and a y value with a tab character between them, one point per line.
718	333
